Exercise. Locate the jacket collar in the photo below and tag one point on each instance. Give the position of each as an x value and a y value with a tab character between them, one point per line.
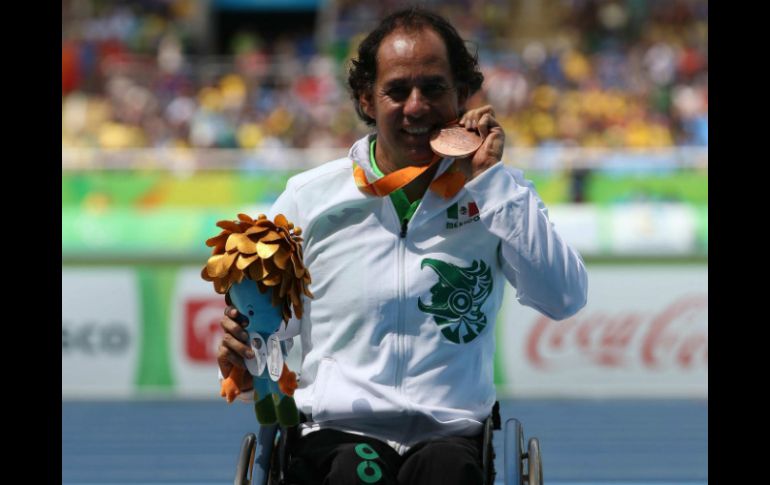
359	154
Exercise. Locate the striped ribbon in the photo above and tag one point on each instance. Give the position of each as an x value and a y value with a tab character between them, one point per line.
446	185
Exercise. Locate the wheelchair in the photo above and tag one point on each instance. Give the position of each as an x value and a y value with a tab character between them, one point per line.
264	457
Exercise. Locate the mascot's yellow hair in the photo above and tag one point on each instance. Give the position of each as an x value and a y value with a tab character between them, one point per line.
267	252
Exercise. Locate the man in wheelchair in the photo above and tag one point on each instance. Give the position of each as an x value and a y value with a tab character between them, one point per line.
409	252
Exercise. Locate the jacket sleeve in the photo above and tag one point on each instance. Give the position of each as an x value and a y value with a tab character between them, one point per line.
547	273
286	204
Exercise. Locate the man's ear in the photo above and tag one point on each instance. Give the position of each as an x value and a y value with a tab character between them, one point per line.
367	105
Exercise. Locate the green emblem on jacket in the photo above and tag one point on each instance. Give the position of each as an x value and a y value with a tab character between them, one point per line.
457	298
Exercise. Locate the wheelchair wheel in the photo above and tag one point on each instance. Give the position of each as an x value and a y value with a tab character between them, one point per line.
513	447
256	459
534	463
245	460
488	453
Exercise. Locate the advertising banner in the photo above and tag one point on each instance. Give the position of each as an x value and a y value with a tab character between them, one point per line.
643	333
171	234
196	312
100	332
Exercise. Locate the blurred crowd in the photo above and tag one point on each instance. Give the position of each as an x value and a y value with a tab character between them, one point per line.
630	73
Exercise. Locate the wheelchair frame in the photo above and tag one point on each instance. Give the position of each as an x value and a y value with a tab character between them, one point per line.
259	465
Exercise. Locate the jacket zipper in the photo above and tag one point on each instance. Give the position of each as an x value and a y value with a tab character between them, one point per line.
401	324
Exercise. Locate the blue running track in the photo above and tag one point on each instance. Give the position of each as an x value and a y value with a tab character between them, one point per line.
618	442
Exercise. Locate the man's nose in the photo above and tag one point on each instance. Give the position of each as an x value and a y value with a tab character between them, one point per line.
416	104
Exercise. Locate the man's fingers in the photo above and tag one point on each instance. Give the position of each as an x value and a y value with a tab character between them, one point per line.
486	122
494	141
231	327
490	152
228	359
235	341
232	313
235	345
472	118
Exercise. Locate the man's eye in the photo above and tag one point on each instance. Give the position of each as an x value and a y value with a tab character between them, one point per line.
434	90
430	91
398	94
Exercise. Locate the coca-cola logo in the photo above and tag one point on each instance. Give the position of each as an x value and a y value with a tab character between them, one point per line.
203	330
676	337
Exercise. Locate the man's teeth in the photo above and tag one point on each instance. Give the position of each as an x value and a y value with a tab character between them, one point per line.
417	131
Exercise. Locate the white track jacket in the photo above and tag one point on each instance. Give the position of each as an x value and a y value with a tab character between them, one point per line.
398	342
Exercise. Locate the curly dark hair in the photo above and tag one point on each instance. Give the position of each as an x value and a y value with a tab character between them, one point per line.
363	72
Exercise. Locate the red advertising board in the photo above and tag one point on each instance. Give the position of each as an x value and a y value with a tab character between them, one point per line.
203	332
643	333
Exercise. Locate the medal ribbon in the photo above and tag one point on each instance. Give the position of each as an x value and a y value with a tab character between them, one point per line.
446	185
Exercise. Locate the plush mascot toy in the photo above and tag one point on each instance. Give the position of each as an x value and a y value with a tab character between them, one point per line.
257	265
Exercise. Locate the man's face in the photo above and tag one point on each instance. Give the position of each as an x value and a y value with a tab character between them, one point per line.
413	95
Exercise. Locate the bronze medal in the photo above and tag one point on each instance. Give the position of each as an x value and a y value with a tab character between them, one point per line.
455	141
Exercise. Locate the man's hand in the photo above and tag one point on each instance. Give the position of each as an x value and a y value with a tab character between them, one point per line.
235	347
491	150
